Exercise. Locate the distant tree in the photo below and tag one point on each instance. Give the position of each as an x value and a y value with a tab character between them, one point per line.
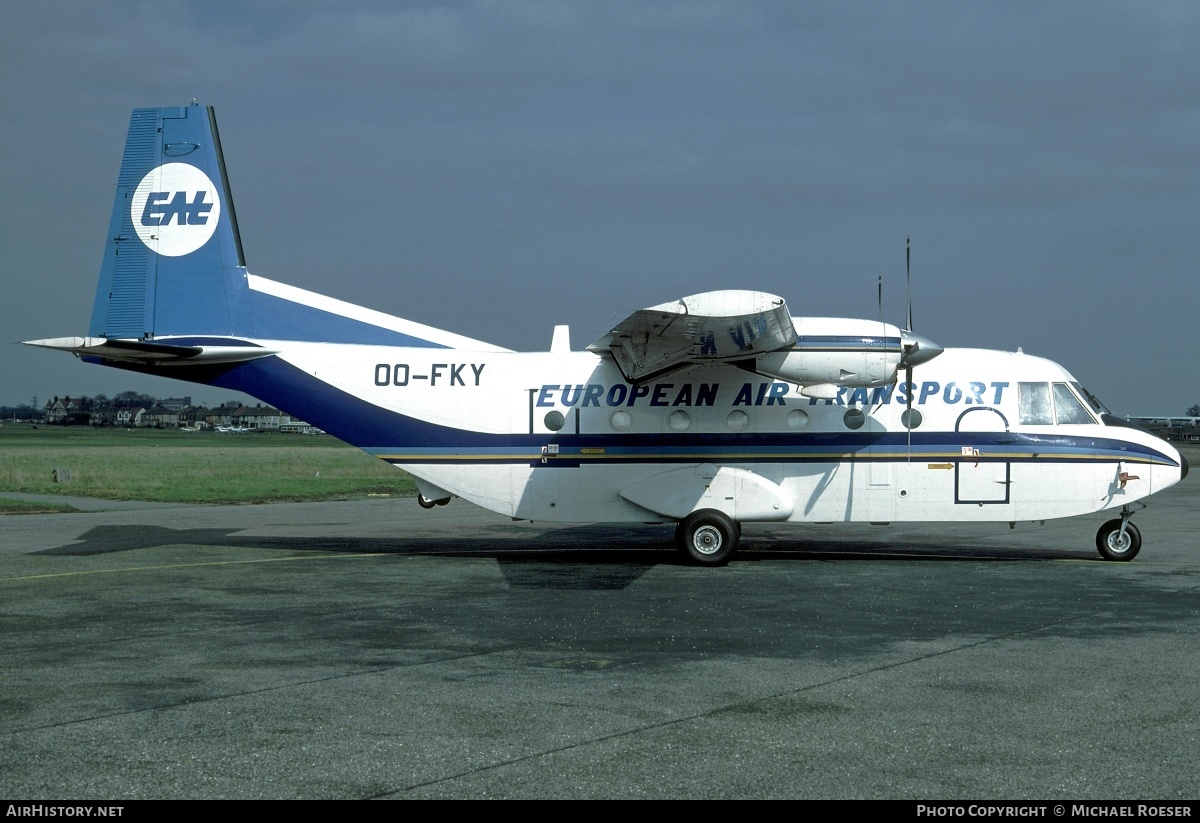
132	398
1194	411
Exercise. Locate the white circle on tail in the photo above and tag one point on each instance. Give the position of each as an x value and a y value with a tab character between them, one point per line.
175	209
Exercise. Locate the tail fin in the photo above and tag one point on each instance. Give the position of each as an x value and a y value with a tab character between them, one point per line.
173	263
173	260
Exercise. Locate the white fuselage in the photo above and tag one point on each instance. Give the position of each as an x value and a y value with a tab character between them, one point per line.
563	437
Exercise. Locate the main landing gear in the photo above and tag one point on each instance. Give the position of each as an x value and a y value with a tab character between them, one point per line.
1119	539
708	537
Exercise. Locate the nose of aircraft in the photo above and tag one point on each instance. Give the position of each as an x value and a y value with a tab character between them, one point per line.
917	349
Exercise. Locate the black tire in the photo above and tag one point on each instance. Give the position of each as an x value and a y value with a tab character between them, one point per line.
707	537
424	502
1111	545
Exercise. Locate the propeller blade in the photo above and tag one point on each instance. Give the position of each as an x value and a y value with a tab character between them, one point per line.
908	275
908	417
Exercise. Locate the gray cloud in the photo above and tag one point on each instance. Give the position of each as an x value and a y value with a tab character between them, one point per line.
498	167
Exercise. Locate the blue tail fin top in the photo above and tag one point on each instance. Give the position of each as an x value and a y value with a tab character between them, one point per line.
173	263
173	258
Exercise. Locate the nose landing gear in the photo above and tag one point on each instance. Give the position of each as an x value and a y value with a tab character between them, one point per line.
1119	539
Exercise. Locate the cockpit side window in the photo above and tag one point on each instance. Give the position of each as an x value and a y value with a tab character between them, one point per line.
1067	408
1035	404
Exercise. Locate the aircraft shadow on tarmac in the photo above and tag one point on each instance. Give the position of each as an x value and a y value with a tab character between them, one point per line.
608	545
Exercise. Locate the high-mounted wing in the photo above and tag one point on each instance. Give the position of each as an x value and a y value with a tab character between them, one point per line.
711	327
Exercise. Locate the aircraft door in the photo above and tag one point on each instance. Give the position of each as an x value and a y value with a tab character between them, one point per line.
982	475
873	467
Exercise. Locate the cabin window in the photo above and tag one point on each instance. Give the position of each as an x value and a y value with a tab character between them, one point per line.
1067	408
854	418
1035	404
797	419
737	420
620	420
911	418
679	420
554	420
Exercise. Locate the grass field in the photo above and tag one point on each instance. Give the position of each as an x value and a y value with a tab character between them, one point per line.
191	467
8	506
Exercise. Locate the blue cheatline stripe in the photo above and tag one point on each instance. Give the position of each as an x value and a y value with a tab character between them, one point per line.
610	456
845	343
401	438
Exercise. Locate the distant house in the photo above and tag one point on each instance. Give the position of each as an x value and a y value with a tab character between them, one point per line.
129	416
222	415
193	417
56	410
66	412
262	418
159	416
104	415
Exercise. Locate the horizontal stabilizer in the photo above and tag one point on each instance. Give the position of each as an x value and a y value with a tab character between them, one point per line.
158	354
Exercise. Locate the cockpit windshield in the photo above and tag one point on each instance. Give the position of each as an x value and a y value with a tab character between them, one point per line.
1106	417
1051	404
1097	406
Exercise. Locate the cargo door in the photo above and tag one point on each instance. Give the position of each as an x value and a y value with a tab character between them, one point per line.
982	474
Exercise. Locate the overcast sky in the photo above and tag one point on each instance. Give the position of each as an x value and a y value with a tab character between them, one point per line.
495	168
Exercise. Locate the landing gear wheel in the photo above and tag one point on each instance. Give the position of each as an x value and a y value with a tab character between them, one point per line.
424	502
1115	546
708	537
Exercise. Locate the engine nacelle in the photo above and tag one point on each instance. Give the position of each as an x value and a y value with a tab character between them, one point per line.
839	351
